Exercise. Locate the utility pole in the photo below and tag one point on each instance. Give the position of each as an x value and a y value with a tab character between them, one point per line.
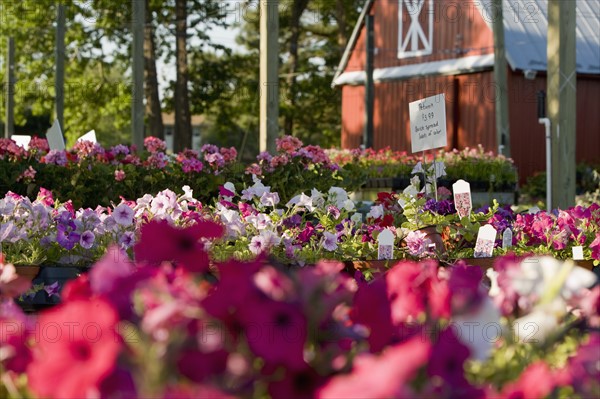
59	79
269	74
137	106
9	122
500	72
562	85
369	85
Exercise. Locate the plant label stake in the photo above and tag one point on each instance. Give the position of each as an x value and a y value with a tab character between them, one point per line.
385	242
55	138
507	237
484	247
577	252
462	198
89	136
21	140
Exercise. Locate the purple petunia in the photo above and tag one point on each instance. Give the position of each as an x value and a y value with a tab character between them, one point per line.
444	207
52	289
123	215
87	239
329	241
65	237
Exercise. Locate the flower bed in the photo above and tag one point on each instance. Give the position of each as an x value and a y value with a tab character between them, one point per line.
309	227
172	325
485	171
90	175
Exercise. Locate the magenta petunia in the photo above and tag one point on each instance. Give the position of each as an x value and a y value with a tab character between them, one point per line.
371	309
595	247
447	360
275	331
161	242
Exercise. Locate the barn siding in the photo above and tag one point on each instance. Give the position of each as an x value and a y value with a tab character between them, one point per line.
391	118
528	143
353	102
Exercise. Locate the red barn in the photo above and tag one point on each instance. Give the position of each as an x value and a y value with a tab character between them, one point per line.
427	47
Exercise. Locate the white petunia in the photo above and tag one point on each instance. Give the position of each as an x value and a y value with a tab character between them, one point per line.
356	218
188	194
375	212
349	205
417	169
479	330
329	241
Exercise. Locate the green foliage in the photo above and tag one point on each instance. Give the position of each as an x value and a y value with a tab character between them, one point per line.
587	186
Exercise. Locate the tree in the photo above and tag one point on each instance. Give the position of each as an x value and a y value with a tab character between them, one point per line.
183	121
298	7
93	86
313	35
154	122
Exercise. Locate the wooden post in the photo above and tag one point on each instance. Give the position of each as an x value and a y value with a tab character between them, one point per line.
500	76
137	106
59	79
9	121
369	85
269	78
562	84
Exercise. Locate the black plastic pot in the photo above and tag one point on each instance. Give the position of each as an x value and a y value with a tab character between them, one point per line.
49	275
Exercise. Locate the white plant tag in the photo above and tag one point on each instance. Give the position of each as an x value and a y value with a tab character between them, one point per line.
385	242
89	136
484	247
462	198
21	140
507	237
533	210
577	253
55	137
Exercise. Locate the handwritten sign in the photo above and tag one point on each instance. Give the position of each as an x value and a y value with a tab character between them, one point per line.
428	123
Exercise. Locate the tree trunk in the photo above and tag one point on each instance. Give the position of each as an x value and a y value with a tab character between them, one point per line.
154	122
183	124
342	26
298	8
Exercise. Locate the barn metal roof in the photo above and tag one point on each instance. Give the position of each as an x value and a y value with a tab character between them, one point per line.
525	32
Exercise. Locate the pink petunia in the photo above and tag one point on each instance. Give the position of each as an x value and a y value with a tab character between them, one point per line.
77	355
385	376
11	283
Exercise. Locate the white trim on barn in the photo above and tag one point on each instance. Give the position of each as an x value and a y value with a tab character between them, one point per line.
455	66
420	44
